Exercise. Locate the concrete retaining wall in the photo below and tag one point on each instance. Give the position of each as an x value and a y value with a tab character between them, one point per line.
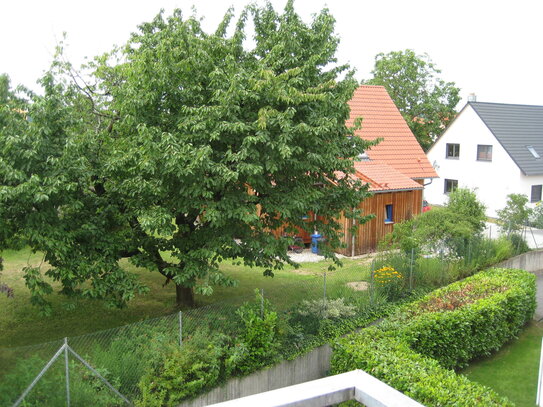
531	261
311	366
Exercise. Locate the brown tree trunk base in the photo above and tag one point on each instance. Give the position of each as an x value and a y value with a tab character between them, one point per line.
184	297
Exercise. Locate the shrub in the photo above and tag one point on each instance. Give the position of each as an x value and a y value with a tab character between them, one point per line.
258	342
388	358
333	309
183	372
469	318
412	350
464	202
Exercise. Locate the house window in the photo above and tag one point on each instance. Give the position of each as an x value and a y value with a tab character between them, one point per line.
389	214
450	185
453	151
536	193
484	153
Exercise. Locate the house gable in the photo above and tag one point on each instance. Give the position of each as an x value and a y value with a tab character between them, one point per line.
492	180
381	119
516	127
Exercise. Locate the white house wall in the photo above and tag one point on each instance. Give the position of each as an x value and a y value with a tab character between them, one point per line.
491	180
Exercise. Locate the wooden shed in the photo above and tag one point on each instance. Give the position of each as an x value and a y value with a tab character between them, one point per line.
395	169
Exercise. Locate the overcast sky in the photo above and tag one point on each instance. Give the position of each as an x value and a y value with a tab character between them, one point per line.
490	48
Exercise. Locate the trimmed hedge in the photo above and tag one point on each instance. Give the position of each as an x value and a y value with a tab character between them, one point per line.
387	357
412	350
499	302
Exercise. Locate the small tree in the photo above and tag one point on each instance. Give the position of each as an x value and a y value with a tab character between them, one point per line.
464	202
514	216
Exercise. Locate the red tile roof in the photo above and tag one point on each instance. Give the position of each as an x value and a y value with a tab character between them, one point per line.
383	177
382	119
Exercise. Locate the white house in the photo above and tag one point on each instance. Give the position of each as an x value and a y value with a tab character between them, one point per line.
493	148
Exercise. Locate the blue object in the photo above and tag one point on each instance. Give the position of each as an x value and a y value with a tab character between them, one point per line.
315	237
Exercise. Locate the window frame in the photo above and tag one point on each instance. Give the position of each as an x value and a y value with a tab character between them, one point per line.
480	156
537	194
389	213
449	185
455	149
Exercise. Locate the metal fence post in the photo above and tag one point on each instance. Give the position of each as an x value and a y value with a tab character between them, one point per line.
262	303
324	291
180	329
372	288
67	367
411	269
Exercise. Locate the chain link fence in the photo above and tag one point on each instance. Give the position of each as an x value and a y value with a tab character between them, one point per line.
104	368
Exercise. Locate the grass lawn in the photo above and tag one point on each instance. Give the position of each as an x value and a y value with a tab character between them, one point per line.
513	371
21	324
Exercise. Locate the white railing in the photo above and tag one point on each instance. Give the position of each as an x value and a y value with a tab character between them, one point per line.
355	385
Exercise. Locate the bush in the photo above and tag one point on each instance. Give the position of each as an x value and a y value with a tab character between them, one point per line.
183	372
388	358
412	350
470	318
463	202
258	345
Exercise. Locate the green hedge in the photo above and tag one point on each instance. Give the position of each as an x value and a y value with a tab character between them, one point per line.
412	350
472	318
385	356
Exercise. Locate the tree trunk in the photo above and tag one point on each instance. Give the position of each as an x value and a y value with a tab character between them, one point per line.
184	297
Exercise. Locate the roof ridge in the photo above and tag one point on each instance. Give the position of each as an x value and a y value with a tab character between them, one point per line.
503	104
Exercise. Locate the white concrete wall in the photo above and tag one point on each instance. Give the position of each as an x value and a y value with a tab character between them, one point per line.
492	181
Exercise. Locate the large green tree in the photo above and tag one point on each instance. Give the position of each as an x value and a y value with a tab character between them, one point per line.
426	101
181	149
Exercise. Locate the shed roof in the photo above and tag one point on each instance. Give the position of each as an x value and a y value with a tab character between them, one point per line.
381	119
383	178
516	127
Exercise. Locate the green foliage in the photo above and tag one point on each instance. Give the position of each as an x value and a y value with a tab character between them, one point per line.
518	242
329	309
433	231
85	388
385	356
258	343
515	215
536	216
186	143
445	230
513	370
426	102
389	281
464	203
412	350
470	318
183	372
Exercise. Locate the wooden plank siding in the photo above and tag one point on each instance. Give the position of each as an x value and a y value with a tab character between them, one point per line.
405	205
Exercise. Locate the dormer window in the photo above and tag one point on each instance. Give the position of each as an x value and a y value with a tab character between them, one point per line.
531	149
